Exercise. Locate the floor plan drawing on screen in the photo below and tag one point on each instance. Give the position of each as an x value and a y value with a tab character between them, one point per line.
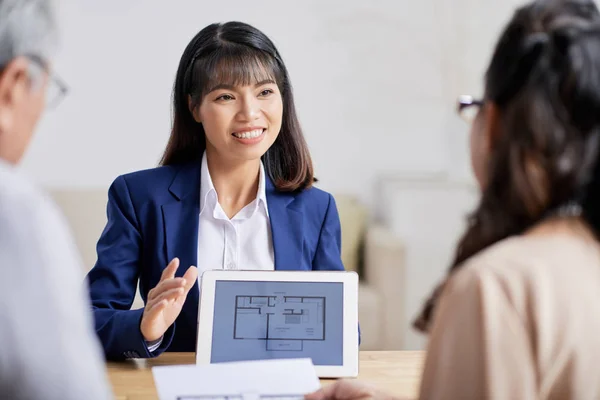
283	322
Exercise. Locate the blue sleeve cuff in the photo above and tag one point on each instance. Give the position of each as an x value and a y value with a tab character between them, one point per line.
155	344
127	339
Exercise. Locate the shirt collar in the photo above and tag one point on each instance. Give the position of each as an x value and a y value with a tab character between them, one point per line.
206	184
208	192
261	195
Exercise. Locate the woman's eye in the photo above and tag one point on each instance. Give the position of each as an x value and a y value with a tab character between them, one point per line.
266	92
225	97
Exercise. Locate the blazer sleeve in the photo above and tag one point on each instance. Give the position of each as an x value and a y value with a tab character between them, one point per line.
328	256
113	280
329	249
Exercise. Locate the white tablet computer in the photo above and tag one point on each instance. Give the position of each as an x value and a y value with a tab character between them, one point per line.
258	315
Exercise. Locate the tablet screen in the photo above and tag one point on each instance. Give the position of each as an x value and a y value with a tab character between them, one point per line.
264	320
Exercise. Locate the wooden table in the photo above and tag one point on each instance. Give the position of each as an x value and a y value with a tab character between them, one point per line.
397	372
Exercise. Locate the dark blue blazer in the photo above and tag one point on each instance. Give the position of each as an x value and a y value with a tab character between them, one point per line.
153	217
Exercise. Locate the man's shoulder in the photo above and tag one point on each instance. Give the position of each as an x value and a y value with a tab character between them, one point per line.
34	234
20	199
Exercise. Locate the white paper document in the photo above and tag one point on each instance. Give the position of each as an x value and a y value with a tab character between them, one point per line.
246	380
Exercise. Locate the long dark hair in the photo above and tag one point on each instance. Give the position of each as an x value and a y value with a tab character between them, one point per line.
236	53
544	78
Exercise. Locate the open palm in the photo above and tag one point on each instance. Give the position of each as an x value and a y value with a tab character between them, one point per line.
166	300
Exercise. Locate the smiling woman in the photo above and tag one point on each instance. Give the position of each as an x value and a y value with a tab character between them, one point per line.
232	84
234	191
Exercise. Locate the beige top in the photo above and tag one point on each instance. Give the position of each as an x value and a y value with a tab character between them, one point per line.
521	320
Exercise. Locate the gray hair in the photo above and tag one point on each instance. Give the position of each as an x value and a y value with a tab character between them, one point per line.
27	28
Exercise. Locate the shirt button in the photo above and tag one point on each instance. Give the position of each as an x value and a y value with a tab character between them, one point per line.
231	266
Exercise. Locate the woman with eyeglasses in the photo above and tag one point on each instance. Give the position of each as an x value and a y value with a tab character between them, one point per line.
234	191
518	316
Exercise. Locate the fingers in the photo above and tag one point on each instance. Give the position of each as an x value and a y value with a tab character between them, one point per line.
166	285
318	395
344	390
154	310
325	393
169	295
190	276
169	272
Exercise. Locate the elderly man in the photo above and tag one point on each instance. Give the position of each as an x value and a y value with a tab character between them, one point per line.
48	349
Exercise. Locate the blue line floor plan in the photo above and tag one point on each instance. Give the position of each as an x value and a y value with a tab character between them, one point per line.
284	322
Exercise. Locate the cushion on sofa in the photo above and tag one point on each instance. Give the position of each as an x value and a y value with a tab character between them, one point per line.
353	218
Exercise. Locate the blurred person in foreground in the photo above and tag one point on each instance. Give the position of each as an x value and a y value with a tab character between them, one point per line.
48	346
518	316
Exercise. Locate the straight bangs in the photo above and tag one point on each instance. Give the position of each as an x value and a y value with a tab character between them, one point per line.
234	65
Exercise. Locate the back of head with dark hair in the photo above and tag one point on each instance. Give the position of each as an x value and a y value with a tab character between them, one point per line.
236	53
544	78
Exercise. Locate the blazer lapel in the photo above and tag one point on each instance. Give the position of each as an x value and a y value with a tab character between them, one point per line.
180	217
286	229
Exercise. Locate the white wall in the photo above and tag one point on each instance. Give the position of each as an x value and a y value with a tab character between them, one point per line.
428	214
375	84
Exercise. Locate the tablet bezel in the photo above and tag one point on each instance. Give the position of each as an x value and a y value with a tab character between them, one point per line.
349	367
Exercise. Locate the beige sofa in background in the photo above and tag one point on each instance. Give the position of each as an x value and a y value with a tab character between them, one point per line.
368	249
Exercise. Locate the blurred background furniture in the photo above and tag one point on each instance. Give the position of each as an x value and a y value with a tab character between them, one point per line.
367	248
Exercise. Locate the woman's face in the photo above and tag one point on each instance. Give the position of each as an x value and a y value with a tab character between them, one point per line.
241	122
